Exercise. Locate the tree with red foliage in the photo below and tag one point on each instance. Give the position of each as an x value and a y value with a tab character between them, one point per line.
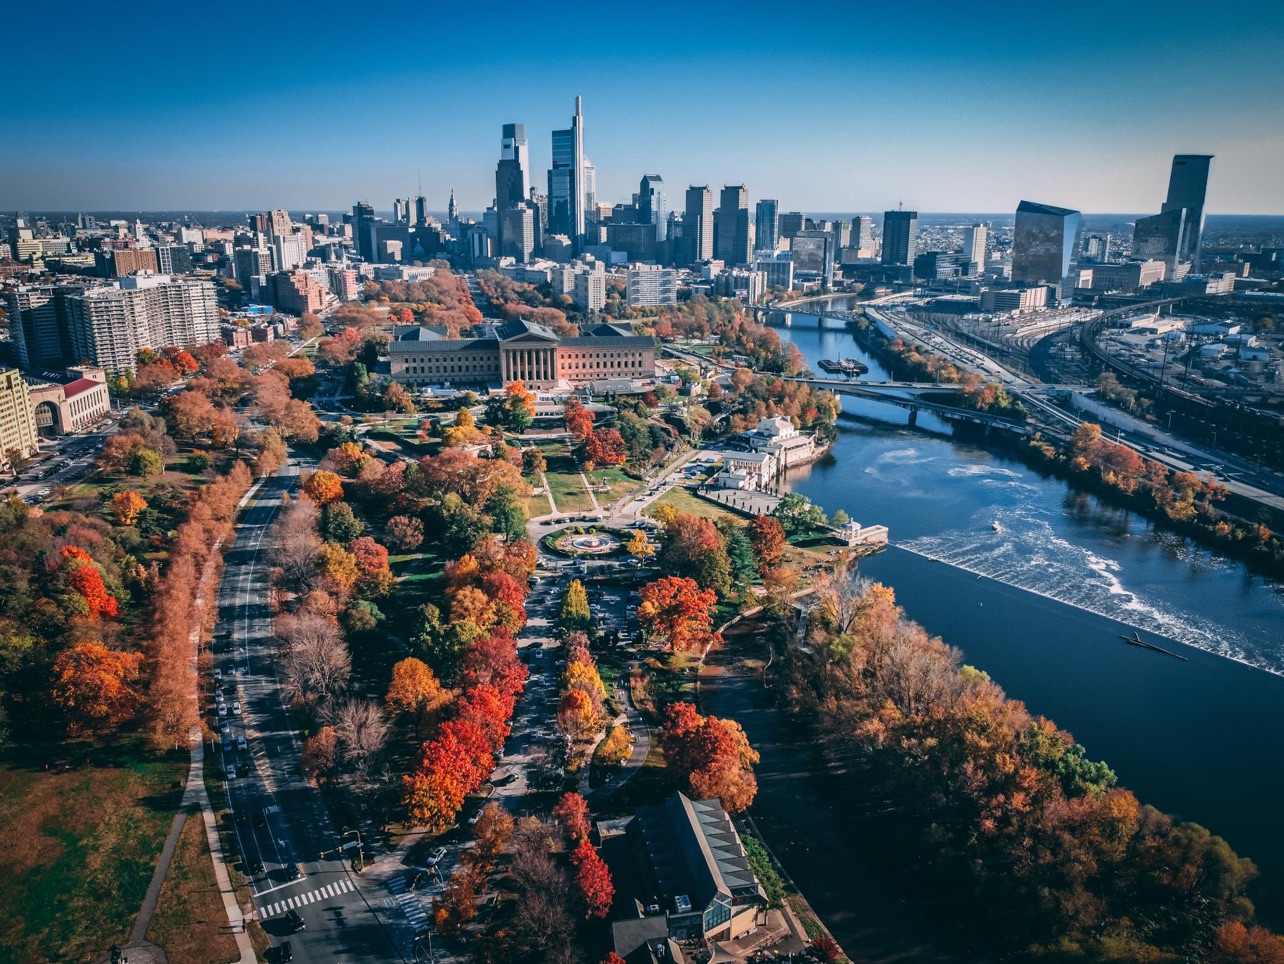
677	610
84	578
579	421
405	533
577	717
826	947
593	878
604	446
450	767
767	537
490	710
572	813
492	659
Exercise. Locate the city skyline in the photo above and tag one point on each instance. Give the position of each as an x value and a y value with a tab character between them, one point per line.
956	115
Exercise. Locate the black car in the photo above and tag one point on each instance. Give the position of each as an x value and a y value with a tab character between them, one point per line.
286	953
504	781
260	819
254	867
294	922
292	872
241	818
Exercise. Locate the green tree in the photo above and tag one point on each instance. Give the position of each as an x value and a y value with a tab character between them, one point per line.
145	464
507	513
798	515
574	614
339	524
462	525
744	567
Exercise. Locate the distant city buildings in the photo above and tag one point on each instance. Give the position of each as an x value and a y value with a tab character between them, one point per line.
767	225
651	286
1175	235
697	224
566	180
975	239
110	325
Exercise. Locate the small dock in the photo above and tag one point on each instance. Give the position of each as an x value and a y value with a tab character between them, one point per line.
850	367
1136	640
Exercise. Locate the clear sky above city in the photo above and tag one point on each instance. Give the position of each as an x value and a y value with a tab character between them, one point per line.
841	106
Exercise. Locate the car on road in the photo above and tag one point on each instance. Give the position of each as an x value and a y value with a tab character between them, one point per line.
222	709
503	781
227	744
231	773
242	769
472	821
242	743
285	953
253	867
241	818
224	729
44	491
236	708
293	922
292	872
435	857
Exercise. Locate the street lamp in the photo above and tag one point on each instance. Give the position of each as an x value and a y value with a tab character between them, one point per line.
360	855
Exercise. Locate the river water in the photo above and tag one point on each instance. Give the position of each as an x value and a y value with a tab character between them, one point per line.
1040	603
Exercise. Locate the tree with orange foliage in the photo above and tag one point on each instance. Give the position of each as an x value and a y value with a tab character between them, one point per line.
519	407
578	419
1237	944
127	506
492	659
613	958
493	830
319	753
593	878
473	606
571	812
767	537
322	487
415	690
457	904
604	446
182	361
576	715
337	568
346	459
679	612
374	577
712	754
95	686
509	598
92	598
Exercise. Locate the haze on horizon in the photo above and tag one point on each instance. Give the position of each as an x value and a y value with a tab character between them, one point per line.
830	107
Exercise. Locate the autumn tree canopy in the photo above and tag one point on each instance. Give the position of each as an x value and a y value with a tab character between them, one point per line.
679	612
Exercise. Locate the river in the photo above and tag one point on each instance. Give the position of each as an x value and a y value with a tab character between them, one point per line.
1039	604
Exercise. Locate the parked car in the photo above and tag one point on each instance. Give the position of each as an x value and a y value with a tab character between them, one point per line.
435	857
231	773
222	708
236	708
472	821
242	743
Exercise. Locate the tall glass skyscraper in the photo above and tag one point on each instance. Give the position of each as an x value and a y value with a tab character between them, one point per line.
1044	243
697	224
1187	189
732	242
513	174
566	180
767	225
653	205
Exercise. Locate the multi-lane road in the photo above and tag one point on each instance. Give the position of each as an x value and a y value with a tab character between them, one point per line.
279	826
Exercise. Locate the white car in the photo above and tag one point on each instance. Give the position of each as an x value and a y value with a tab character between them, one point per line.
231	773
236	709
241	743
222	709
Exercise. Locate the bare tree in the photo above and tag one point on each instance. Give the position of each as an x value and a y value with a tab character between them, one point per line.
317	663
362	733
295	541
543	923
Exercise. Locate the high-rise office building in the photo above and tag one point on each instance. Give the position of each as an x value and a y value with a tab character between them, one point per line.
279	222
767	225
17	423
1175	235
362	216
649	285
419	210
1187	190
38	326
732	231
513	174
975	237
900	237
653	205
566	187
518	229
791	222
1044	243
400	210
697	224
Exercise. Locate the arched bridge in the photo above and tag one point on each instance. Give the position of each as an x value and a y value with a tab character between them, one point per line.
913	396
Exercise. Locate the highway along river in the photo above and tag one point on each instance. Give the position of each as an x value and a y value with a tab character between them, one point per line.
1040	601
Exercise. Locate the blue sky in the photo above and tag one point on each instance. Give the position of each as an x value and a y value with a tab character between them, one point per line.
826	106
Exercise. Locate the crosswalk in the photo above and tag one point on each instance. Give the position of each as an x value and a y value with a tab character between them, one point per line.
408	903
300	900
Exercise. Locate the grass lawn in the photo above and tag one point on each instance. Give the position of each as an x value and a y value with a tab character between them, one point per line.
190	921
620	483
78	846
564	482
686	501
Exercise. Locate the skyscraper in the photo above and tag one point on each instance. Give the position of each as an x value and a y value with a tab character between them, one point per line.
1043	243
900	237
419	210
653	205
513	174
767	225
566	187
732	237
1187	189
974	240
697	224
362	216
